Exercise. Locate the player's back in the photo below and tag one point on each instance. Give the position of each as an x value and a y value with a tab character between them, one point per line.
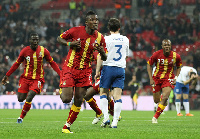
117	46
184	74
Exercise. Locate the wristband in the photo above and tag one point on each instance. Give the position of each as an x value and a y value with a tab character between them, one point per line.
175	77
68	43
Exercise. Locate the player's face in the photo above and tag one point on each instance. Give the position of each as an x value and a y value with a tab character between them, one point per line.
166	45
92	22
34	40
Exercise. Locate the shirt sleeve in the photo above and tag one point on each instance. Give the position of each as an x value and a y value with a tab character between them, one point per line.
103	43
152	59
19	60
21	56
127	49
47	55
178	61
67	34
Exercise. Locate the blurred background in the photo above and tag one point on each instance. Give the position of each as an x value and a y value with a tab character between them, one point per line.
145	22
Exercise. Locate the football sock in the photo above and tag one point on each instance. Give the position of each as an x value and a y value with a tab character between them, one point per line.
93	105
111	107
26	108
104	106
186	105
155	107
74	111
178	105
117	111
159	110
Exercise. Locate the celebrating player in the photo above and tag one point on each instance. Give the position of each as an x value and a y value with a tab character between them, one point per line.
77	71
163	78
32	80
113	71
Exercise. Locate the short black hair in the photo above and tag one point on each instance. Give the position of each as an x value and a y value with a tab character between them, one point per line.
191	73
33	34
113	24
90	13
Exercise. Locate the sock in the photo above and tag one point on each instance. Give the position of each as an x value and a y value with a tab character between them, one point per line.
117	111
74	111
186	105
155	107
111	107
104	106
159	110
178	105
26	108
93	105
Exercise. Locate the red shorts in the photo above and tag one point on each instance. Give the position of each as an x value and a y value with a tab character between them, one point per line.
161	83
96	86
75	77
29	84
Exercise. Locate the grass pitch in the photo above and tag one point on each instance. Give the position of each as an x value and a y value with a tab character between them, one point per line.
47	124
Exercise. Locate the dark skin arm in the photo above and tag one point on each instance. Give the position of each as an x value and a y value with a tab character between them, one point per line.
76	44
100	49
149	70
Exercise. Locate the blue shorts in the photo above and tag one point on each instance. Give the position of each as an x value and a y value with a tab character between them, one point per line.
181	88
112	77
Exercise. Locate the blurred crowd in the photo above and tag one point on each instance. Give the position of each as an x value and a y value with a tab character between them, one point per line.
169	20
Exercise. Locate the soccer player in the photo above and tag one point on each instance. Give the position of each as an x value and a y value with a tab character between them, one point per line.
113	71
163	78
77	71
186	76
32	80
135	87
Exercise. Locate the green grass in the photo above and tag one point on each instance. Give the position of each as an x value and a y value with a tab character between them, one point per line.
47	124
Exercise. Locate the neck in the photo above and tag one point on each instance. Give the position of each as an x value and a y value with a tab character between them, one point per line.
166	54
89	31
33	48
117	32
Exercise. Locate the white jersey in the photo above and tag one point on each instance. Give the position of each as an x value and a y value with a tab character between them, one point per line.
118	47
184	74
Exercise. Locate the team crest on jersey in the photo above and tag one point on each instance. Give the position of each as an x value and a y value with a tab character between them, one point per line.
28	58
64	83
40	54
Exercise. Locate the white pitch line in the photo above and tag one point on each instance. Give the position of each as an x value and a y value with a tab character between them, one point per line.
7	122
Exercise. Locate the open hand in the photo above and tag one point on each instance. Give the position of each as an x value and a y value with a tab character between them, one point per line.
4	81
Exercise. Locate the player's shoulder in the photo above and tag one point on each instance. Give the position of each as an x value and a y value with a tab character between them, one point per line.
99	33
26	48
78	28
125	38
177	55
158	52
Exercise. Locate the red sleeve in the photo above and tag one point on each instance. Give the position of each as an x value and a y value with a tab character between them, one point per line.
178	60
50	60
19	60
152	59
55	67
47	55
21	56
67	34
13	68
103	43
